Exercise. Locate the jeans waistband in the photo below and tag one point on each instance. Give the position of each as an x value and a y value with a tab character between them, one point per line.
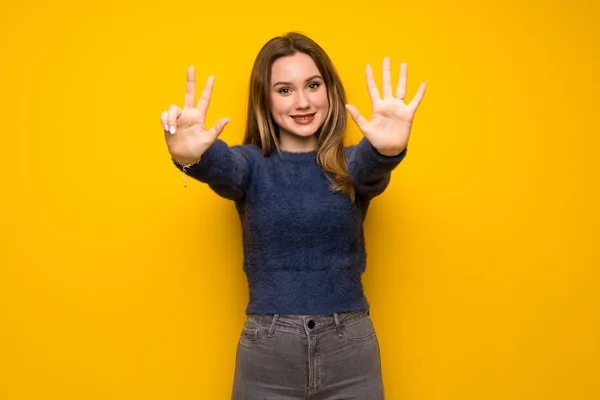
307	324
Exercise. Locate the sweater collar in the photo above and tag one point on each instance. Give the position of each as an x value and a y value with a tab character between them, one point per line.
295	156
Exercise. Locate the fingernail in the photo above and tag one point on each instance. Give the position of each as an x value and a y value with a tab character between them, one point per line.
166	127
172	129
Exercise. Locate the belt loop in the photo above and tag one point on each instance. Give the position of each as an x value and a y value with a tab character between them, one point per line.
272	327
338	328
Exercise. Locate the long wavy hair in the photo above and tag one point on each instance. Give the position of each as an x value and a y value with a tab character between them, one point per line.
261	129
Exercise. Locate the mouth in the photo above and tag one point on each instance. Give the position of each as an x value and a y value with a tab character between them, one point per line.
303	118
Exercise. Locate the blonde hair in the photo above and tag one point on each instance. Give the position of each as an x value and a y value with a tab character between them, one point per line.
261	129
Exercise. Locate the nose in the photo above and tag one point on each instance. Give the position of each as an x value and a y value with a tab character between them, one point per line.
301	100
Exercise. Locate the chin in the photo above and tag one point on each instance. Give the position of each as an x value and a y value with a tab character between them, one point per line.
307	132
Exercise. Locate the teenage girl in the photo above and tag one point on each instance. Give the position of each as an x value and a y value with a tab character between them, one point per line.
302	198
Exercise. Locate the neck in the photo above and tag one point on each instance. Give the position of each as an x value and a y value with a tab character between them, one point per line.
297	144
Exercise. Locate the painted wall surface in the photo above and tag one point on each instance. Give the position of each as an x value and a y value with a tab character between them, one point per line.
483	253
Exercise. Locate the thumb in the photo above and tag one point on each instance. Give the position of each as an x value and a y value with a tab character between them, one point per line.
216	130
358	118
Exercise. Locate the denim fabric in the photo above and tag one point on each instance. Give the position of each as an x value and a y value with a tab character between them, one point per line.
317	357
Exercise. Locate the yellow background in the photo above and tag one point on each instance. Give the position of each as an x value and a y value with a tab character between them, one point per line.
117	283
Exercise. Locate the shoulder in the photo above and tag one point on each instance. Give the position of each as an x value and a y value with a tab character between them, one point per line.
350	149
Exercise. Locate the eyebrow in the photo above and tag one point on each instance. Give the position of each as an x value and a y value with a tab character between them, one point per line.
289	83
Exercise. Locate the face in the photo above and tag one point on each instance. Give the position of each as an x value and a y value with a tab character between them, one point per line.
299	102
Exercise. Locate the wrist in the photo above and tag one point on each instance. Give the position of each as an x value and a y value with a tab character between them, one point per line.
186	161
185	164
390	152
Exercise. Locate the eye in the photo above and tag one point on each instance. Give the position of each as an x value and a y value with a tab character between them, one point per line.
314	85
283	91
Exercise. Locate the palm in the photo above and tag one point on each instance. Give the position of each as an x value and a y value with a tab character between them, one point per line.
190	128
389	127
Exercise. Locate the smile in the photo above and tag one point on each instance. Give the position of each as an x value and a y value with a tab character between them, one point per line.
303	119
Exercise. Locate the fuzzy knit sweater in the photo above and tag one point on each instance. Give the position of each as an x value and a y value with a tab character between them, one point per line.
304	247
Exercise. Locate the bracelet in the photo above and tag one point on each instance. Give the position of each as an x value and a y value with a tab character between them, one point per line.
184	166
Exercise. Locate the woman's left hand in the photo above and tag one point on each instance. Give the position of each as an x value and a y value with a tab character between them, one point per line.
389	128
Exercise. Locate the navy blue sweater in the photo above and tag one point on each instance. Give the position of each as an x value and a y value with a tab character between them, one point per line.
304	247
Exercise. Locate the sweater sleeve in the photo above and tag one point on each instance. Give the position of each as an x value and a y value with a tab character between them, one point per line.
370	170
226	169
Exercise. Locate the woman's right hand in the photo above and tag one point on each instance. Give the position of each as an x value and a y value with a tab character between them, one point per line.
185	130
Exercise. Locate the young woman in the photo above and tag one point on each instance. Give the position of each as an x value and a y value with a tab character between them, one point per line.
302	198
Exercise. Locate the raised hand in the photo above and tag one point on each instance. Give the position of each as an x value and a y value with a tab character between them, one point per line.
389	128
185	130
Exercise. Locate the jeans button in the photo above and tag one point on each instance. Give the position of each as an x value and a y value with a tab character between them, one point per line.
311	324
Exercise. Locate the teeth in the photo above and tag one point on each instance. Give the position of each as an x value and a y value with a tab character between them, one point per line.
307	117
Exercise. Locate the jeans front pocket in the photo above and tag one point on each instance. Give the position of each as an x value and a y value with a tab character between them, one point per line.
252	331
359	330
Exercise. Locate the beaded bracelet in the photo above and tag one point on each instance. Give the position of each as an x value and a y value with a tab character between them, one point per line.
184	166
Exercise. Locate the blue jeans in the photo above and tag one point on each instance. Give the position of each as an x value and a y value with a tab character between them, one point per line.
308	357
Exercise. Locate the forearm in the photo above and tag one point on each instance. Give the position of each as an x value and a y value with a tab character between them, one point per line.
225	169
370	170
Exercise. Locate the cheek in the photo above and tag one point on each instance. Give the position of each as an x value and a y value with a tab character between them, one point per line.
276	110
321	100
279	106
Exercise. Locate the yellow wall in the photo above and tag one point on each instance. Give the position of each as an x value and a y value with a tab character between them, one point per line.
117	283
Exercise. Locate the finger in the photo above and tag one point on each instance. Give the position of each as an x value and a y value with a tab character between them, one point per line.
372	86
414	104
358	118
401	90
163	121
174	113
216	130
190	89
205	98
386	78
